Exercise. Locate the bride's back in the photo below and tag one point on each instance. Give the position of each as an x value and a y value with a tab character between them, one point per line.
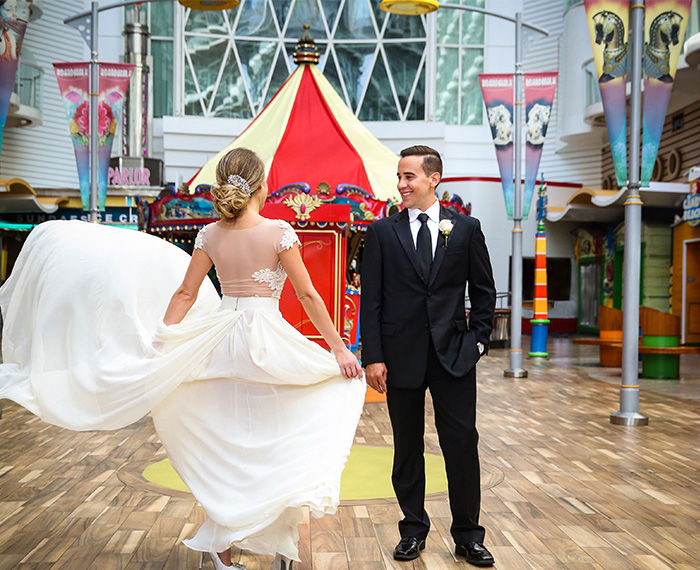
247	260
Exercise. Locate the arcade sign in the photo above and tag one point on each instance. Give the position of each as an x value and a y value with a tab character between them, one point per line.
691	205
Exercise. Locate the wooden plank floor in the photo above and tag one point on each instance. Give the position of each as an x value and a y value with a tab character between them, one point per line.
566	488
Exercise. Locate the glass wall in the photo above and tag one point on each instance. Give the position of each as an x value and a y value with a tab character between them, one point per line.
234	61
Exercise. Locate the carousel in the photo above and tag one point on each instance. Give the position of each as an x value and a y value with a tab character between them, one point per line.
328	176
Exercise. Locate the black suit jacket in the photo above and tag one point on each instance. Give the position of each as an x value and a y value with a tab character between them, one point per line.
400	311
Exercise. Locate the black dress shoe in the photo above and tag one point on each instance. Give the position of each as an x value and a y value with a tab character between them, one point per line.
409	548
475	553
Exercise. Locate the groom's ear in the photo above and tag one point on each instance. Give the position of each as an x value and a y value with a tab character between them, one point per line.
435	179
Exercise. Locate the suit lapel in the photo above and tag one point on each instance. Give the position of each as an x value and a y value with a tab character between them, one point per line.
440	247
403	231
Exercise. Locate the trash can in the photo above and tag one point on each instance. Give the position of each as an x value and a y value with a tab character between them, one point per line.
500	335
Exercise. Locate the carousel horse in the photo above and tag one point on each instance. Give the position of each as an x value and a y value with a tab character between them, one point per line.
663	32
610	31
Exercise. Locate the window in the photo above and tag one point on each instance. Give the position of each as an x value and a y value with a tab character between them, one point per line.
460	58
162	50
160	19
236	60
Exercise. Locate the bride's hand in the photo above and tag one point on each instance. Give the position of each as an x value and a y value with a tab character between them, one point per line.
349	366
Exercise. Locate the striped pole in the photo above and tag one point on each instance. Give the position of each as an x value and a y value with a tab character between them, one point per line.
540	322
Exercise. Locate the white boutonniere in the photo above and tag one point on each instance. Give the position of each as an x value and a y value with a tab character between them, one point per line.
445	227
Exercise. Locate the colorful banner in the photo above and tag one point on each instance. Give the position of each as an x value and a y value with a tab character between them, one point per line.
497	90
74	84
607	24
14	15
539	96
664	22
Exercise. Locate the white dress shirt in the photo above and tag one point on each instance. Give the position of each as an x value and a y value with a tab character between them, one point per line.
433	223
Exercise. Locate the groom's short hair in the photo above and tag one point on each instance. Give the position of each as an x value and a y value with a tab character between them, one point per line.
431	158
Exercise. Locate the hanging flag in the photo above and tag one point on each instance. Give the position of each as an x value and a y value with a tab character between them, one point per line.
607	24
497	90
74	84
14	15
665	22
539	96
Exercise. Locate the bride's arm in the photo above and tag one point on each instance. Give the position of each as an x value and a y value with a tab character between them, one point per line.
316	309
186	294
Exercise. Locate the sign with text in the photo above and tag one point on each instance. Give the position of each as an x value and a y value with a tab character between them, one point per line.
691	210
117	215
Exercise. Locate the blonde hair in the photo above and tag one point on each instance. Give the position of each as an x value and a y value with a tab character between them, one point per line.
231	198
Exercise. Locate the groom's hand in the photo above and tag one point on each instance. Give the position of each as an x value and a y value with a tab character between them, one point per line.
375	374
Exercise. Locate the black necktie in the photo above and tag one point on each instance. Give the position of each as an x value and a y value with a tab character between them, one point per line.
423	245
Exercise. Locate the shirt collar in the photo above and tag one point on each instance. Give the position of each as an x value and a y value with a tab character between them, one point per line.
433	212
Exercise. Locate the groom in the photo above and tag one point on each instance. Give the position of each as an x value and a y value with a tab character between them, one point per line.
416	267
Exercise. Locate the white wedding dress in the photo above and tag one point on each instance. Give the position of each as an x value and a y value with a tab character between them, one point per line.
256	419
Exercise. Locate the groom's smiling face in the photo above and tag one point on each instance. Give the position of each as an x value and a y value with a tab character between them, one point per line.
417	189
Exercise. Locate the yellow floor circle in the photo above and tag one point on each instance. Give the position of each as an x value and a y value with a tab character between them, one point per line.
367	474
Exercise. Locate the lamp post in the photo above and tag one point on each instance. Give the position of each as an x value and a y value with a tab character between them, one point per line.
86	24
417	7
628	414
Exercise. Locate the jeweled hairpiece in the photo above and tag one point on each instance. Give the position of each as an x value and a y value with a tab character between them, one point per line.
241	182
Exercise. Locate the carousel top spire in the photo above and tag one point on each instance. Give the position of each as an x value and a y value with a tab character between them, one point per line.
306	51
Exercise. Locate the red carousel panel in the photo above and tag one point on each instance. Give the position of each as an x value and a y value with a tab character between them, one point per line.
323	253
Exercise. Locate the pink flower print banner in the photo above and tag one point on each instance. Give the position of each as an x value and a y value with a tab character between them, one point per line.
539	97
14	15
74	83
497	90
665	23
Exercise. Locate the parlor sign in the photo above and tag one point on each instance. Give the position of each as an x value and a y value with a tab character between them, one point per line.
127	176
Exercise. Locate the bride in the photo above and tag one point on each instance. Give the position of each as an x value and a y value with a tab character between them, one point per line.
256	419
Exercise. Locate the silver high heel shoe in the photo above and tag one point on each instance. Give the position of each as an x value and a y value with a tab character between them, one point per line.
282	563
218	565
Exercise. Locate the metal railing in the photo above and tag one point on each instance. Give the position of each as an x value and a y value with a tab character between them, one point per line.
500	334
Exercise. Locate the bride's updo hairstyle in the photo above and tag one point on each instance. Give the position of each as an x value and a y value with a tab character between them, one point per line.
239	175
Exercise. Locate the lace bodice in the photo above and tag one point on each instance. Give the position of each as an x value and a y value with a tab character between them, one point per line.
247	261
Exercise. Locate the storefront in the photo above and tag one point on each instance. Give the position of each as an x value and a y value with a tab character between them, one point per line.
685	280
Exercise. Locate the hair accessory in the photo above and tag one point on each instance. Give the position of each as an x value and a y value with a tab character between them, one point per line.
241	182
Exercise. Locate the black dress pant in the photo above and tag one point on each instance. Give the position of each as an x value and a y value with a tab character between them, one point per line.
454	402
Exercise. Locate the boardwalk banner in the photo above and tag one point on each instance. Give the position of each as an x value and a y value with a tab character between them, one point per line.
74	84
539	96
14	15
607	24
664	29
497	90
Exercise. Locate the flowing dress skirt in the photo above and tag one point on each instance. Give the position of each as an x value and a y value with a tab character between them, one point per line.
256	419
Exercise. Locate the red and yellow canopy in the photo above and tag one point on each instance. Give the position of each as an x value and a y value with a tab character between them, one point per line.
306	134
